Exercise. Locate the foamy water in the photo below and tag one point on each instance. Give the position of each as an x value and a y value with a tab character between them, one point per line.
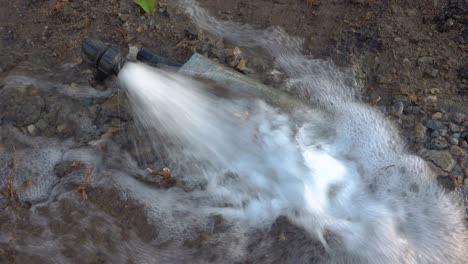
338	169
334	167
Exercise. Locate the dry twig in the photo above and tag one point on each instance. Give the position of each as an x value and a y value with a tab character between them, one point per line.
11	180
86	184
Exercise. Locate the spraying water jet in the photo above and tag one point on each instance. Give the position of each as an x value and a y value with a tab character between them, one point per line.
338	169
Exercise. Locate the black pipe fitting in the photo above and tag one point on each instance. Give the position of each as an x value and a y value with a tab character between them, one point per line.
106	59
152	59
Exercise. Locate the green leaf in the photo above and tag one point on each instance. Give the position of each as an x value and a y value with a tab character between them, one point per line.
147	5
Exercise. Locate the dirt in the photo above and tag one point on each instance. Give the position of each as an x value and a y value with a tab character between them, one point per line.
412	56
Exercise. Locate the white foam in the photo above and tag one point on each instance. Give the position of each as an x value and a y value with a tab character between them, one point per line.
349	175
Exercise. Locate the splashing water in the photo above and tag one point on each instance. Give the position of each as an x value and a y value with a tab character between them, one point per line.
338	169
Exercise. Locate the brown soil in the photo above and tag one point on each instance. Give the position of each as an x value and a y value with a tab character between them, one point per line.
409	52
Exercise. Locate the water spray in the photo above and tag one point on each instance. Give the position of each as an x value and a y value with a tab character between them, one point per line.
335	167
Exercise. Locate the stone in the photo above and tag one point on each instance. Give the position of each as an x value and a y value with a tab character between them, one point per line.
64	168
463	144
419	133
242	66
458	118
434	91
41	124
453	141
457	151
435	134
425	62
434	124
442	159
432	72
381	79
453	127
437	116
61	128
276	76
443	132
412	109
32	130
431	99
439	143
397	109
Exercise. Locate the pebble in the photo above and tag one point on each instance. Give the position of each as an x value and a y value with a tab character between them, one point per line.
463	144
276	77
430	99
457	151
61	128
420	133
453	127
443	132
32	130
434	91
424	62
437	116
442	159
453	141
434	124
242	66
439	143
397	109
381	79
458	118
41	124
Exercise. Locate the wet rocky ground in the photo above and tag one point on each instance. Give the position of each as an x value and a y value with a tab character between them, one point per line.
411	55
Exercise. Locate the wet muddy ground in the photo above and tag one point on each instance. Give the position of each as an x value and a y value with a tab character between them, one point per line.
411	55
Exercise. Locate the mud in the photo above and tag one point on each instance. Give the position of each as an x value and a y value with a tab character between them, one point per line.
411	55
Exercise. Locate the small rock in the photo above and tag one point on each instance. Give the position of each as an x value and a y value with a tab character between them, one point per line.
41	124
443	132
434	91
381	79
439	143
64	168
437	116
32	130
412	109
397	109
425	62
434	124
314	3
431	99
458	118
236	52
276	77
419	133
457	151
62	128
463	144
456	135
432	72
243	67
442	159
453	141
453	127
435	134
